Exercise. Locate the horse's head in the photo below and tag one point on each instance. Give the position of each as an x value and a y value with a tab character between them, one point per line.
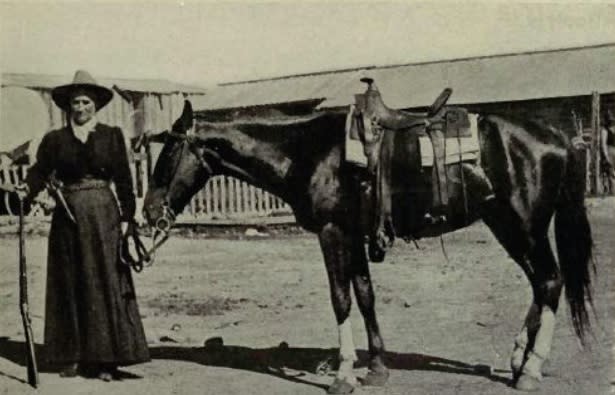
180	172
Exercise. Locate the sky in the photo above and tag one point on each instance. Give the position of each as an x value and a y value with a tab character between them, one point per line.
205	43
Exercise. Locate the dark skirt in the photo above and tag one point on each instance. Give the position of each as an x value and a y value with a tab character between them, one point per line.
91	310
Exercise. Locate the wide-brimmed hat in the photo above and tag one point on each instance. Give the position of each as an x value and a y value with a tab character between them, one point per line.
82	80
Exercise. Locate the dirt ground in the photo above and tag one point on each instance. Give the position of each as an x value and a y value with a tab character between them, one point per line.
262	305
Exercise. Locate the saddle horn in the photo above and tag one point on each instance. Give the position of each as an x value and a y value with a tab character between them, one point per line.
370	83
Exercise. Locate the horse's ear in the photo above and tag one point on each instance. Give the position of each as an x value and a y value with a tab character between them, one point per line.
185	121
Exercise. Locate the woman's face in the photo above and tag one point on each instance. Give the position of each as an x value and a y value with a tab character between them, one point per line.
82	107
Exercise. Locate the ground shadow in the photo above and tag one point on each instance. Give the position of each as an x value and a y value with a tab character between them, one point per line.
15	351
277	361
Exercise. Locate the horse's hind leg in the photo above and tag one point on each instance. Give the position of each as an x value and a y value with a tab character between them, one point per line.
535	256
336	248
547	287
378	373
530	327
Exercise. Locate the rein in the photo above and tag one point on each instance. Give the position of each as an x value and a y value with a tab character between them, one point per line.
145	257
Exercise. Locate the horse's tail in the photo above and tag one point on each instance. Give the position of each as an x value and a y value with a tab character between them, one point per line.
574	241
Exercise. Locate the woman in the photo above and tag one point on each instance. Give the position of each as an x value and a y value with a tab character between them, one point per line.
92	322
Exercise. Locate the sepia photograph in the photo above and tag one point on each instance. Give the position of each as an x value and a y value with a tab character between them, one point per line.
307	197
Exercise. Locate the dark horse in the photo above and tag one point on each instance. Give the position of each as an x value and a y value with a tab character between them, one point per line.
528	173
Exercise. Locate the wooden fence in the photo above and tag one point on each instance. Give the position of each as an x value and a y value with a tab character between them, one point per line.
227	199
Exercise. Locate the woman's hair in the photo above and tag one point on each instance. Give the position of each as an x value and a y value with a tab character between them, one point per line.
84	92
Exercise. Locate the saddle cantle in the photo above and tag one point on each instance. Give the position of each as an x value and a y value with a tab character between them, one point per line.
390	142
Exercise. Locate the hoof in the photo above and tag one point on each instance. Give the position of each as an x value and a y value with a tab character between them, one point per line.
340	386
376	378
527	383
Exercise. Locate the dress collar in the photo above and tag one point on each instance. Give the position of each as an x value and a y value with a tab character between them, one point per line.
82	131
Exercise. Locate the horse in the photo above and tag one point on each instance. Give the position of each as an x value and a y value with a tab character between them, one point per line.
528	173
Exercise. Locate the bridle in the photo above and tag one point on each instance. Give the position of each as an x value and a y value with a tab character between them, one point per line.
163	224
146	257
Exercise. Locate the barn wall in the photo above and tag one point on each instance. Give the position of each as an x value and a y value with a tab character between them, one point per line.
557	112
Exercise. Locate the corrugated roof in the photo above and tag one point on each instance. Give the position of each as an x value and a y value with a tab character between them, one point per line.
496	78
553	74
46	81
273	91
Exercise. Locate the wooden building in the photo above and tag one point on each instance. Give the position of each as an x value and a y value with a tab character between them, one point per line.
570	88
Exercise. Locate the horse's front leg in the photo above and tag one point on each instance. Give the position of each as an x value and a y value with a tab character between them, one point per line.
378	373
336	248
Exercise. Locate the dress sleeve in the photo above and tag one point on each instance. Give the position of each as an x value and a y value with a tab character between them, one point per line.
39	172
122	178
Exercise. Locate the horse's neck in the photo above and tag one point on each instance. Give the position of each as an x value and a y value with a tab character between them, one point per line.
259	163
279	157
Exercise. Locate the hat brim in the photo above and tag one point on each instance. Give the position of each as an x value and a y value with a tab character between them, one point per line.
61	95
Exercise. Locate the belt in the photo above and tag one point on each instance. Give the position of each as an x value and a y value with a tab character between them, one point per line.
84	184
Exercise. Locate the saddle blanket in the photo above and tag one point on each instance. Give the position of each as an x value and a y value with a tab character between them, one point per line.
465	147
468	147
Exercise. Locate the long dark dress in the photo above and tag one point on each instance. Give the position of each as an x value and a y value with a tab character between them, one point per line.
91	314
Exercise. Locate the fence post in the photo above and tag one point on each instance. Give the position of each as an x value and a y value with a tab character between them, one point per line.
595	151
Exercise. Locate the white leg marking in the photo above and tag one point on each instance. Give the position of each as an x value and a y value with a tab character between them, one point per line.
518	354
348	354
542	345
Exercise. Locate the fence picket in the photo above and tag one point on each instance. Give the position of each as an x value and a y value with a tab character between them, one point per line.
252	199
214	196
207	197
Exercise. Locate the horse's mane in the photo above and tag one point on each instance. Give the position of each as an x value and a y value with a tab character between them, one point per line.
278	120
297	136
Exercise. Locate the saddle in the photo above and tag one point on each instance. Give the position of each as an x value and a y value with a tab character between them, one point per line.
390	140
